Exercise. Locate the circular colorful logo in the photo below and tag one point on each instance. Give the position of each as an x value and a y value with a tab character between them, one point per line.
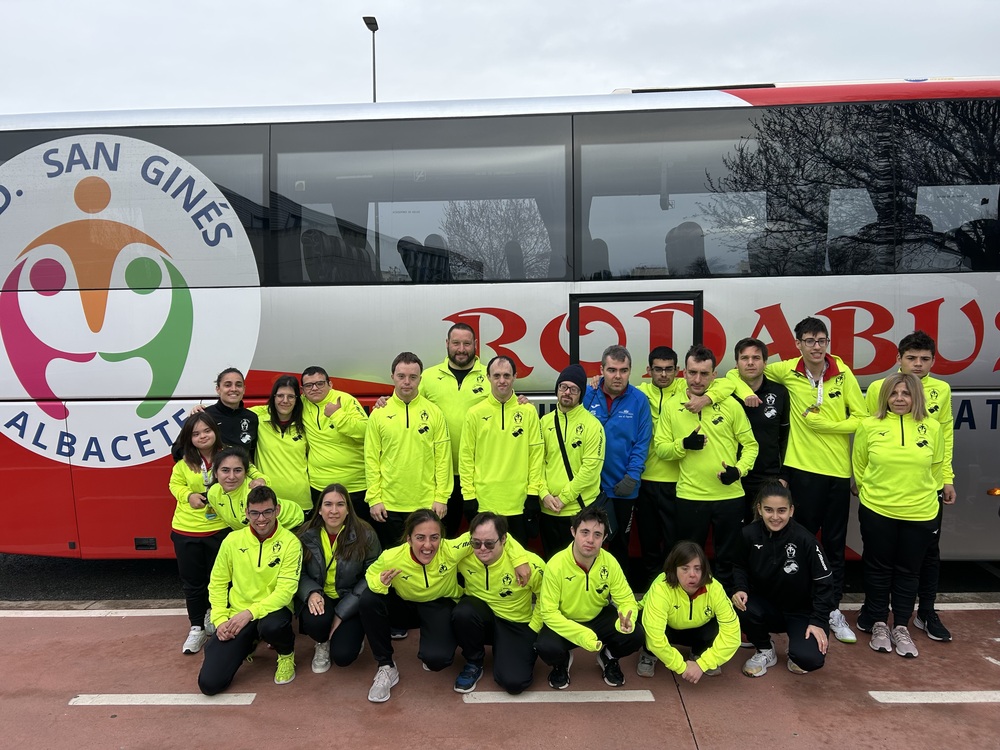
128	281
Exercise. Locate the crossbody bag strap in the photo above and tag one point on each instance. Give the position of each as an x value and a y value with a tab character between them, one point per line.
562	449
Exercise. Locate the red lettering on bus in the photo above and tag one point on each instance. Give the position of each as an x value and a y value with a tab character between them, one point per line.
772	319
552	349
661	327
927	318
512	330
842	328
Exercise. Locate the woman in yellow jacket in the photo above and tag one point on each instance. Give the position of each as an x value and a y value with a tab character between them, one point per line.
686	606
196	529
231	472
897	458
281	444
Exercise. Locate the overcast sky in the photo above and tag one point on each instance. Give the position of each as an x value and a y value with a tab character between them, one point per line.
68	55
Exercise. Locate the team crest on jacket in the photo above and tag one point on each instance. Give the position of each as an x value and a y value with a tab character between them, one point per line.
791	566
770	399
518	417
579	429
922	429
604	572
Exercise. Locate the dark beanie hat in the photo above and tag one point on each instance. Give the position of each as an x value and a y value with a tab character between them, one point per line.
573	374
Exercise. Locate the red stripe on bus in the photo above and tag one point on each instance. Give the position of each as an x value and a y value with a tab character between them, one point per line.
868	92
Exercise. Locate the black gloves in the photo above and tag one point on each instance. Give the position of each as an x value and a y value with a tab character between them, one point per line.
729	475
695	441
625	487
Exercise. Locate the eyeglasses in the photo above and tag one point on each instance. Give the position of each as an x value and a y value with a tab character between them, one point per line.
255	514
663	370
810	343
314	386
480	543
567	388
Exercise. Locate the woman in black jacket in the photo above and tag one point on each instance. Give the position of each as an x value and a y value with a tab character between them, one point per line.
783	585
337	549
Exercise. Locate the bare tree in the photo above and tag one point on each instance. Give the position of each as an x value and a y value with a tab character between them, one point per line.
507	236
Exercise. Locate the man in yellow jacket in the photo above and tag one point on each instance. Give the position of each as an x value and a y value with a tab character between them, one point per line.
253	581
407	454
501	456
455	386
586	602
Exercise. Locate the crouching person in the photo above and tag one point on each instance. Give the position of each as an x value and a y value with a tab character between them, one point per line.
587	602
253	581
495	609
685	606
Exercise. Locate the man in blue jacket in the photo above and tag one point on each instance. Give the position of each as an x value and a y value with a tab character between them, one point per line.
628	427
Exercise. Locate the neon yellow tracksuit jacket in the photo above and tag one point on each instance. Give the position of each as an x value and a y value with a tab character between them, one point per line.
823	445
264	574
407	456
660	469
496	584
336	443
571	596
937	394
281	456
439	385
897	466
183	481
502	456
666	606
231	507
584	438
726	427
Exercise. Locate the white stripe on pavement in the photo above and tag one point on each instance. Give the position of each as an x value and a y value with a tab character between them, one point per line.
939	606
163	699
936	696
594	696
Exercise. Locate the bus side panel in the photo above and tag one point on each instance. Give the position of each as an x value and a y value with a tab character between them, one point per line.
39	515
125	512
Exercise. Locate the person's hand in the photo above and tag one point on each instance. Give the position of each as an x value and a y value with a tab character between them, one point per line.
625	622
740	601
822	640
948	494
196	500
752	400
317	605
593	381
440	508
692	672
379	513
332	408
625	487
695	441
196	409
258	482
729	474
523	574
386	576
231	627
696	403
522	399
553	503
380	402
854	487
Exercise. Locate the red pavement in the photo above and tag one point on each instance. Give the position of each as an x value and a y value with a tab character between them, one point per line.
49	661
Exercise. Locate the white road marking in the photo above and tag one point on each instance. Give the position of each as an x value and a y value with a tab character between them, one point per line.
936	696
560	696
991	660
940	606
92	612
163	699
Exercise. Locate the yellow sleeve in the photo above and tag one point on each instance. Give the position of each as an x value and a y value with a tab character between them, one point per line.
373	463
654	624
444	479
285	585
467	457
727	642
350	419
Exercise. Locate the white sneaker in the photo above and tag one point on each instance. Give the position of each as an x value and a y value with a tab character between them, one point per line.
195	640
901	639
841	630
757	665
385	679
647	664
321	659
209	627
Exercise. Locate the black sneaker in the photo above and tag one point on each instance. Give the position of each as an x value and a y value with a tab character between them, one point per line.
931	624
612	670
559	676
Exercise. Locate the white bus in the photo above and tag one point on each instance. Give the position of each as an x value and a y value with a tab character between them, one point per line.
143	252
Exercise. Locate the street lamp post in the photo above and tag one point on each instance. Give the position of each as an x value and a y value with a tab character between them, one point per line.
372	25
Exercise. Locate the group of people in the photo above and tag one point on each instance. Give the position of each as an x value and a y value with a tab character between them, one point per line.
310	506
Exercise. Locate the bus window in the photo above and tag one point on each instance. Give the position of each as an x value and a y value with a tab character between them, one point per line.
425	210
